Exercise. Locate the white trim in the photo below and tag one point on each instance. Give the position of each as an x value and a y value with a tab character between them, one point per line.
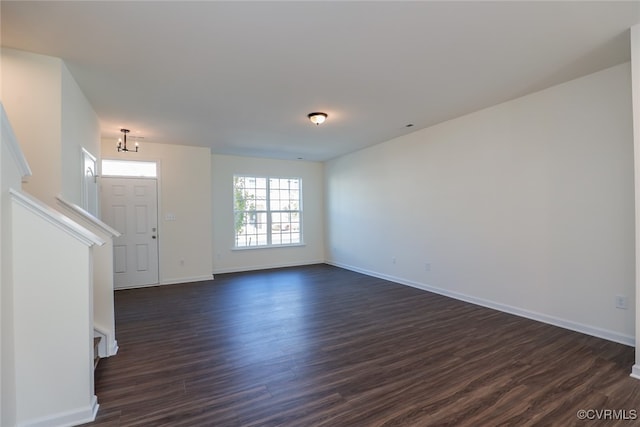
56	218
266	266
12	143
268	211
106	228
149	285
168	282
187	280
67	419
114	348
533	315
104	341
249	248
635	112
92	157
109	345
84	156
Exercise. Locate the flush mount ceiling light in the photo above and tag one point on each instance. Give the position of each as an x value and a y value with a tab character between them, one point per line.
317	118
122	145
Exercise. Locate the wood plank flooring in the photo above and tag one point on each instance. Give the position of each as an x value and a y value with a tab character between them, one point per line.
322	346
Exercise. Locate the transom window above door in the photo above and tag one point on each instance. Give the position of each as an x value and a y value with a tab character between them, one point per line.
130	168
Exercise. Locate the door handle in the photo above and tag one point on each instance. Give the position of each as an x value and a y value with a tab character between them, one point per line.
153	237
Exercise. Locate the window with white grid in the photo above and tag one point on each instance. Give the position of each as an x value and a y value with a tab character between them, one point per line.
267	211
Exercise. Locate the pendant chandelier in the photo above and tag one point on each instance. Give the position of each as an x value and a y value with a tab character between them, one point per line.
122	142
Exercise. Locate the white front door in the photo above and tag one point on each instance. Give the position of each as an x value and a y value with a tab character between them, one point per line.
130	205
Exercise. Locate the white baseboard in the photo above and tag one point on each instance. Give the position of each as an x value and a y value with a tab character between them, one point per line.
151	285
540	317
66	419
114	348
187	280
265	266
635	372
167	282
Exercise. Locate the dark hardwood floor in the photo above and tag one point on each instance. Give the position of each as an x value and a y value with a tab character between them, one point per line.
322	346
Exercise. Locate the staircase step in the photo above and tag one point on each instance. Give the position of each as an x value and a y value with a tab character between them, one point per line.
96	354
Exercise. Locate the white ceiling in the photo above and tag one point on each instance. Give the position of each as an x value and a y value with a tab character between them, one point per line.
240	77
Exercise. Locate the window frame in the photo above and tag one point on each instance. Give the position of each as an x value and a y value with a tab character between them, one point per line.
127	173
268	212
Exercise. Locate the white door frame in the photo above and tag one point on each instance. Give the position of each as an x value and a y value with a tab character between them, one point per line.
93	171
135	237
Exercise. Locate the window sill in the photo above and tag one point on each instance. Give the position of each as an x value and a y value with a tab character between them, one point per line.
248	248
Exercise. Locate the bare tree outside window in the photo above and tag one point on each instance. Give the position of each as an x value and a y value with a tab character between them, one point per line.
267	211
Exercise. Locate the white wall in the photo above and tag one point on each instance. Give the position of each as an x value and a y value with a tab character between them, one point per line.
80	129
11	161
52	120
184	188
32	96
4	238
527	206
635	79
228	260
103	301
53	323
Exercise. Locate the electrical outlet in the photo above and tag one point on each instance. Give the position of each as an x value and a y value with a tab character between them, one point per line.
393	260
621	302
427	267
